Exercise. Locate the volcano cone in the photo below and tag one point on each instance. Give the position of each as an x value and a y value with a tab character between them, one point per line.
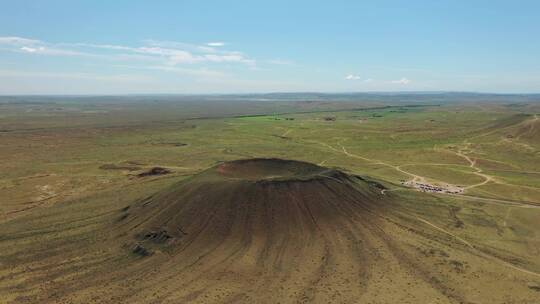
256	226
268	207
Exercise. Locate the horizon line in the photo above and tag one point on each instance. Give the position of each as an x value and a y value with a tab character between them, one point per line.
268	93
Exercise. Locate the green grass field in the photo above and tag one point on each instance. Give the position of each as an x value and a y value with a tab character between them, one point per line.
66	164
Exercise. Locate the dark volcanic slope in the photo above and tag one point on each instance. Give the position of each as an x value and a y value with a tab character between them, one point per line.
258	231
266	206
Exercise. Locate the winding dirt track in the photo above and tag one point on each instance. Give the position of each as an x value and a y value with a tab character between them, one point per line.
262	231
421	179
472	164
321	236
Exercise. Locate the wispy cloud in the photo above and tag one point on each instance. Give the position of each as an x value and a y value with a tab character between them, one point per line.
30	49
177	56
161	66
353	77
169	53
200	72
280	62
173	56
189	53
99	46
51	51
216	44
402	81
18	41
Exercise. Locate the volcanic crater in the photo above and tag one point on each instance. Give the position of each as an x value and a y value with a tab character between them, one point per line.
271	231
274	230
243	201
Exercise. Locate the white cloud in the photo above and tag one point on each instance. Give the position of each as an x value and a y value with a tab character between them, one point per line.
203	72
201	53
53	51
180	57
176	56
162	61
280	62
403	81
352	77
216	44
18	41
30	49
228	58
368	80
183	46
171	55
165	52
33	46
99	46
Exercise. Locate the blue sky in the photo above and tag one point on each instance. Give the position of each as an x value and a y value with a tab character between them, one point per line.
137	47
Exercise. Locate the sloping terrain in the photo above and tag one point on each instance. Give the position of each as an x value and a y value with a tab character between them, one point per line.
258	209
255	231
529	130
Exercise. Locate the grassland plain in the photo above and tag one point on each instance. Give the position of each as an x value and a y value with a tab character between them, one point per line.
69	167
